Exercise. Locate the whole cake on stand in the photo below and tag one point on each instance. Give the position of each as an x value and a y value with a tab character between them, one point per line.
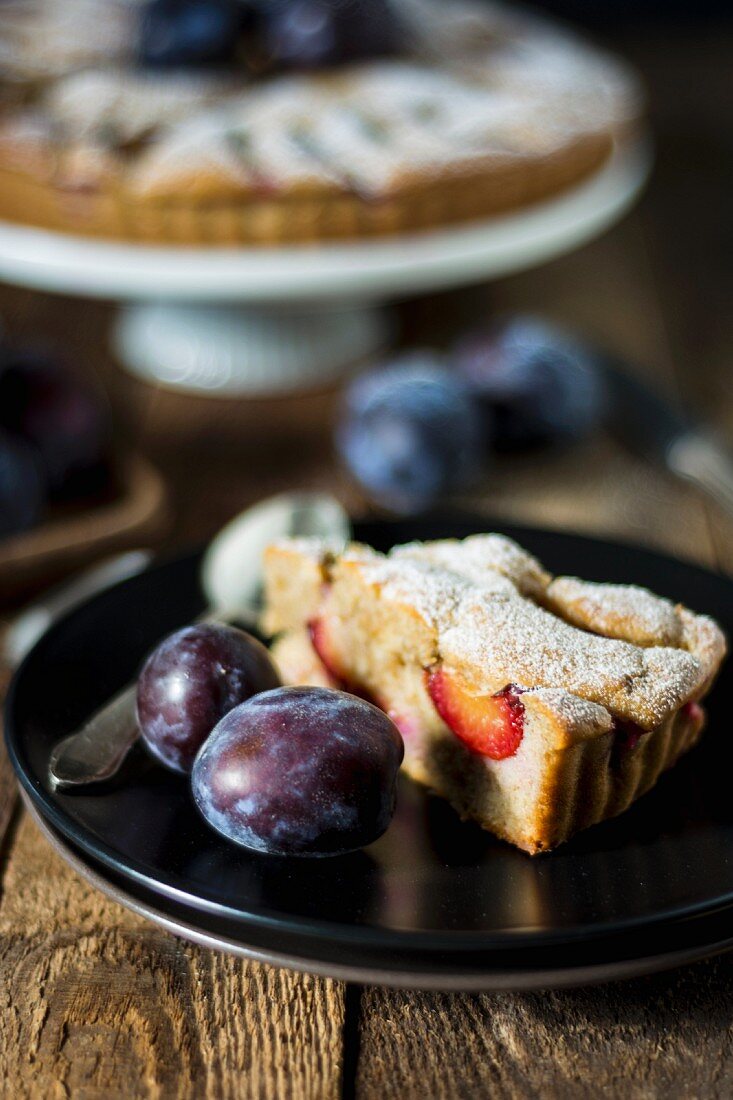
273	157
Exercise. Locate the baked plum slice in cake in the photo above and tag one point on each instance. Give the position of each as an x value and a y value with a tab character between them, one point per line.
491	725
536	705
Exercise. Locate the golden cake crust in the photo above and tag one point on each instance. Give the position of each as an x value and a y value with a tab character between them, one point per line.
205	208
581	786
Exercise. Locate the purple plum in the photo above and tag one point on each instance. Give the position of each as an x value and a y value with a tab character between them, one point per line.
300	771
189	683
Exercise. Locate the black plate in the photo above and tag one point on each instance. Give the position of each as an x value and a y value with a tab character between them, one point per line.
577	963
432	887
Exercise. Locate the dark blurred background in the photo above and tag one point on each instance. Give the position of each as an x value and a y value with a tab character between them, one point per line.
656	289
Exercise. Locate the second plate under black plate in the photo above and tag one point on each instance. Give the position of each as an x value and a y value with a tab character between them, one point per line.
432	883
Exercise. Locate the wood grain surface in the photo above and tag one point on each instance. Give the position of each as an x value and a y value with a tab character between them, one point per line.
96	1003
667	1036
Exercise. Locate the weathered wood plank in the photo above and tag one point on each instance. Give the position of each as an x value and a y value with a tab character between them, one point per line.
667	1036
97	1003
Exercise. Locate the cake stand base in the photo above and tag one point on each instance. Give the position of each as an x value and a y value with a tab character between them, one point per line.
245	351
251	322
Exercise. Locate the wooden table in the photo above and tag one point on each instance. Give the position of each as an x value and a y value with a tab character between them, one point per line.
96	1003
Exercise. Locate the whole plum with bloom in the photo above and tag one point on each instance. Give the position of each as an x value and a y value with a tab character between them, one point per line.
537	383
411	431
190	681
300	771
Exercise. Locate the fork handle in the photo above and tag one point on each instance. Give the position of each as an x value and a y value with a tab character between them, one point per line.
96	751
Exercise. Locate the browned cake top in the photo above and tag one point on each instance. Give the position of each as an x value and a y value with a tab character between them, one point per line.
501	86
500	618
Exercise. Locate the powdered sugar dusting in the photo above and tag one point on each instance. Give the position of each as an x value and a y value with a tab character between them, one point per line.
617	611
702	636
433	592
580	716
491	560
465	590
512	640
114	106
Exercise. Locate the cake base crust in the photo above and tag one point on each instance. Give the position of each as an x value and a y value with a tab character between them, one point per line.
30	195
585	784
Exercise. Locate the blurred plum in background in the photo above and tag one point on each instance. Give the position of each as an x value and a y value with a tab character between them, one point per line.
305	34
539	384
421	426
265	35
22	490
189	33
410	432
55	432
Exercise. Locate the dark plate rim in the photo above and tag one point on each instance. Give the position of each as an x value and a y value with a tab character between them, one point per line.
535	976
315	928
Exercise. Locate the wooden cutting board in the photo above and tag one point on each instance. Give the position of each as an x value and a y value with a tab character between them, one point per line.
135	515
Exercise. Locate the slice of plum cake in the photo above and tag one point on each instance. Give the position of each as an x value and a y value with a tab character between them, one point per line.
536	705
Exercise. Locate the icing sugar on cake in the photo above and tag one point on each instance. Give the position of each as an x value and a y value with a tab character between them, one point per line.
484	624
433	592
516	641
616	610
582	716
478	557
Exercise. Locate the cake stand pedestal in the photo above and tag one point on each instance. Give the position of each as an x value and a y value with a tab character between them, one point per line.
256	322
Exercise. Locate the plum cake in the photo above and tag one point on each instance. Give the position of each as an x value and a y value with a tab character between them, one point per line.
242	122
536	705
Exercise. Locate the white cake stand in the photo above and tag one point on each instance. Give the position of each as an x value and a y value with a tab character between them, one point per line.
252	322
